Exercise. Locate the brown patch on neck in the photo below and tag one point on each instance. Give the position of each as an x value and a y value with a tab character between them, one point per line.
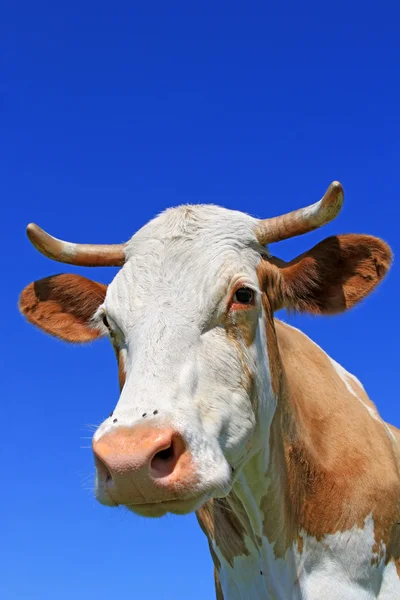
223	527
331	463
206	521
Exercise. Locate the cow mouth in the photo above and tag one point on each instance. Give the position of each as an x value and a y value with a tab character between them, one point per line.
159	509
175	504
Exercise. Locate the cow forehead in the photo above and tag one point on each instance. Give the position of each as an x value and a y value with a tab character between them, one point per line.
201	225
185	258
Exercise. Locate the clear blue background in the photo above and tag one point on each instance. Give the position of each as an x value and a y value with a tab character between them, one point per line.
112	112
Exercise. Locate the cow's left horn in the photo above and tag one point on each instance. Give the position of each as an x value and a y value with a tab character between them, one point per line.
84	255
302	220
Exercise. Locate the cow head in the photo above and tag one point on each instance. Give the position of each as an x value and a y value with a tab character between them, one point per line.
189	316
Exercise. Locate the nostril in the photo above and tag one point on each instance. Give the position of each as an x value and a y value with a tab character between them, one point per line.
164	461
166	454
103	471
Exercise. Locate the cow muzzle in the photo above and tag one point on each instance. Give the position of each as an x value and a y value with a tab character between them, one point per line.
143	466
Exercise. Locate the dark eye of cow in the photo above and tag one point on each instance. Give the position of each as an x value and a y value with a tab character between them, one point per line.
243	296
105	322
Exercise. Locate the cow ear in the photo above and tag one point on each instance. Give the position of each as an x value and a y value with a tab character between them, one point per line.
334	275
63	306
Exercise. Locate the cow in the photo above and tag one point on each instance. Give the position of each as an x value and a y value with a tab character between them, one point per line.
227	411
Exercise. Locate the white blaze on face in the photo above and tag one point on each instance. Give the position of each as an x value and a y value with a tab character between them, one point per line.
184	368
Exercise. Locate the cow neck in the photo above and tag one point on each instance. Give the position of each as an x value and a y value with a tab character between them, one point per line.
290	497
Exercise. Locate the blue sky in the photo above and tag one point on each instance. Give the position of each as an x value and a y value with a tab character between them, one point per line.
113	112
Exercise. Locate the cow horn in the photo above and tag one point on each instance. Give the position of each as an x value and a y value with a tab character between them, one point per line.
83	255
302	220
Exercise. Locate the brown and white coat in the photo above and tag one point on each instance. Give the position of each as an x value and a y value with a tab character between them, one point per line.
226	411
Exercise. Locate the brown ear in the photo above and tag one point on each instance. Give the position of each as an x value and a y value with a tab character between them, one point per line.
336	274
63	305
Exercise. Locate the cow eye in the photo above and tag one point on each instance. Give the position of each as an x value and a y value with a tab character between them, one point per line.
105	322
243	296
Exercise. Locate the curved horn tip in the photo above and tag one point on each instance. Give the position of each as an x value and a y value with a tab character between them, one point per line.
33	231
336	184
336	187
333	198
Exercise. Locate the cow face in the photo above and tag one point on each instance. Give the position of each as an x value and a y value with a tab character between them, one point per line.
188	316
185	316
